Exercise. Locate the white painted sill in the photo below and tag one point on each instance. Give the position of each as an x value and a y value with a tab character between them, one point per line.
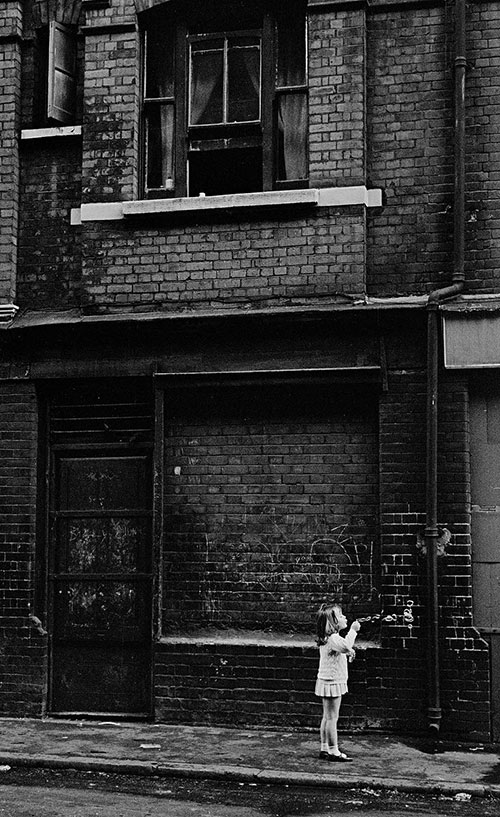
315	197
253	638
51	133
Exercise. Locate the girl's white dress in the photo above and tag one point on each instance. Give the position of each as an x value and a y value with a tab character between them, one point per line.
332	673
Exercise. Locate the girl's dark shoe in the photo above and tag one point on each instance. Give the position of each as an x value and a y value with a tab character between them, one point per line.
342	758
324	756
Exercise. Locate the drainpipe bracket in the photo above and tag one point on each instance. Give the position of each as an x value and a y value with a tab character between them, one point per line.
437	537
434	717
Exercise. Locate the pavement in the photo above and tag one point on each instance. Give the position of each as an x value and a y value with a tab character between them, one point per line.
249	755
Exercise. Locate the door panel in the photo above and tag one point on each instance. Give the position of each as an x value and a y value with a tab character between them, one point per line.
100	582
485	487
105	678
495	683
100	545
97	483
485	527
97	609
486	535
485	611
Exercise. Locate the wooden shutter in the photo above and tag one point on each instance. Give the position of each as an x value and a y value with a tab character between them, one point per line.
62	67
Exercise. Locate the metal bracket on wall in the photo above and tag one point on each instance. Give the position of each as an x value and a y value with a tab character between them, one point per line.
443	539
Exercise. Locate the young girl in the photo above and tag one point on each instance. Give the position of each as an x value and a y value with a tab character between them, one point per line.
331	683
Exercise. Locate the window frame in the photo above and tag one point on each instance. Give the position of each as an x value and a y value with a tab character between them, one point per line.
225	36
283	90
270	93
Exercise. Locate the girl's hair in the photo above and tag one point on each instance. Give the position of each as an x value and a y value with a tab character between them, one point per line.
326	622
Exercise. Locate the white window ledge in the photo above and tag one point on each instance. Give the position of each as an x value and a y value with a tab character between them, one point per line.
50	133
316	197
8	312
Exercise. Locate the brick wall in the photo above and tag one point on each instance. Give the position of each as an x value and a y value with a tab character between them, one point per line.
209	263
399	693
406	144
238	684
22	648
410	149
388	688
111	104
254	483
337	97
223	682
482	157
200	680
49	275
10	98
464	658
271	505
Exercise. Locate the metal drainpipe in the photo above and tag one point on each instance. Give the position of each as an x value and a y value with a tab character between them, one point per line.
435	297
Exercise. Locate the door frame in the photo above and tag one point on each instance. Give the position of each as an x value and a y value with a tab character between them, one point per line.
97	449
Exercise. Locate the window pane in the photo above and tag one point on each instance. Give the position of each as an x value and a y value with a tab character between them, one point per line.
219	172
159	63
160	147
84	609
291	50
292	136
207	44
243	83
207	72
102	483
109	544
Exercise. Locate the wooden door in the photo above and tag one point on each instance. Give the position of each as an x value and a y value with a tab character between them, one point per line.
485	494
100	582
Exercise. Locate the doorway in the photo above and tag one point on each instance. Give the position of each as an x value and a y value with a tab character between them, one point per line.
99	563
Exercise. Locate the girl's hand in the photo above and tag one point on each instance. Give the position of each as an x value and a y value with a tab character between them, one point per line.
351	656
356	626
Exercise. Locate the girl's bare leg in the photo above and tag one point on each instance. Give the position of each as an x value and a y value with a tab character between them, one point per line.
322	729
328	728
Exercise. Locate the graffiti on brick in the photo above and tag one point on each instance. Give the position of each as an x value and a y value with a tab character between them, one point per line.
271	567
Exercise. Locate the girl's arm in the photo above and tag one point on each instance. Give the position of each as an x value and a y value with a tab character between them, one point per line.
344	645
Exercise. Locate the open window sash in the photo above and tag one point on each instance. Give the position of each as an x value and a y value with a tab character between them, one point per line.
61	73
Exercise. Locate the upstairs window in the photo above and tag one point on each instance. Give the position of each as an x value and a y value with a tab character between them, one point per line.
224	79
225	99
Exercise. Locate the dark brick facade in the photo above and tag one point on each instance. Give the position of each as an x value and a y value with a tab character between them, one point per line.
410	149
209	264
50	274
269	512
285	345
23	646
